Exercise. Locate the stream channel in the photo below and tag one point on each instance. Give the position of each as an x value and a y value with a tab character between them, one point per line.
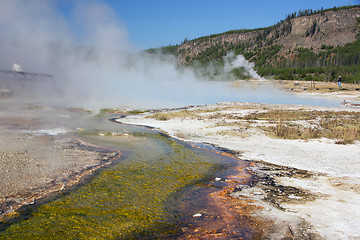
160	187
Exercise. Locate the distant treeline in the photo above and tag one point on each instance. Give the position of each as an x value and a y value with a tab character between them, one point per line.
306	64
325	65
171	49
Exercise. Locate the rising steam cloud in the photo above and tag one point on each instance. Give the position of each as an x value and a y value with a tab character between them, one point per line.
88	53
232	62
92	59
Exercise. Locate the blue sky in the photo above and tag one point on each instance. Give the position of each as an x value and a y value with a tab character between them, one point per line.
154	23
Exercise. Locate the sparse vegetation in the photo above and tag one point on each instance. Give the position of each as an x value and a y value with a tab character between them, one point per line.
182	114
343	126
160	116
104	111
136	111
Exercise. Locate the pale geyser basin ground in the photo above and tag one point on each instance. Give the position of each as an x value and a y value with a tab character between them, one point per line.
334	210
333	214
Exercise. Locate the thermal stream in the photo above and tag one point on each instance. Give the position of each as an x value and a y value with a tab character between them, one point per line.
142	195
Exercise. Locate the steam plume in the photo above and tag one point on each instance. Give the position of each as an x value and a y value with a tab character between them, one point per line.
94	63
239	61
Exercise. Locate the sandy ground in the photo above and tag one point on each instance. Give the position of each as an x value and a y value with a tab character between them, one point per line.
309	188
38	155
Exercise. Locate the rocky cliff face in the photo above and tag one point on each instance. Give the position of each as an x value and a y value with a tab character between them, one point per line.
331	28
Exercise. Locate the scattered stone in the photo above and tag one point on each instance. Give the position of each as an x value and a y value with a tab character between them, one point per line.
239	187
292	196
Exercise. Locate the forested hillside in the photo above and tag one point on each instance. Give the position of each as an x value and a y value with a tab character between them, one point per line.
310	45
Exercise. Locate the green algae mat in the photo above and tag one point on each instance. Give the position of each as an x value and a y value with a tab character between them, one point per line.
137	197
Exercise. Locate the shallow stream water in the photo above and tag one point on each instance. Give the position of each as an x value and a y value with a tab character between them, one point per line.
153	191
